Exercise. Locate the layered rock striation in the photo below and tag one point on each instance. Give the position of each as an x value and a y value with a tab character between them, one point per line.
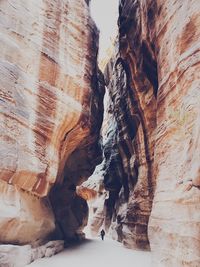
151	132
159	45
129	130
51	112
93	190
146	190
175	218
126	170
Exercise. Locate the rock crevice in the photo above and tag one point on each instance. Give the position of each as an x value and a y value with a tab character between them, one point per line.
145	190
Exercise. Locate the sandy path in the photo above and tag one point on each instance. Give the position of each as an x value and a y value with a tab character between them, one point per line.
96	253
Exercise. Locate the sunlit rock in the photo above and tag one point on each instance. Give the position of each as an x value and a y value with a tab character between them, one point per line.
19	256
175	219
51	112
94	192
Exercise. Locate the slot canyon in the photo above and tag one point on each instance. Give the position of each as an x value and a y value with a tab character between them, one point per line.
111	143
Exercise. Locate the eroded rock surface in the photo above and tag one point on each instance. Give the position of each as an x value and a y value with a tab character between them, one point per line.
51	112
175	219
163	37
93	190
129	130
19	256
151	131
24	218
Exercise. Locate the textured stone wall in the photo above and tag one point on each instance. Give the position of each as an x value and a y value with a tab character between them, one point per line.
151	132
129	152
126	171
174	228
93	190
129	129
51	113
157	66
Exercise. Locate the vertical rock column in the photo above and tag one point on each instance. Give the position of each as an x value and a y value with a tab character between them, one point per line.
133	89
174	228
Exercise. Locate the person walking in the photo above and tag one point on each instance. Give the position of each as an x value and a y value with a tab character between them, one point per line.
102	233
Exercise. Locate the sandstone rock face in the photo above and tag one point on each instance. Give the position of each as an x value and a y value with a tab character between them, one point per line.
174	228
78	167
93	190
129	155
51	113
151	39
24	218
152	132
23	255
129	130
128	140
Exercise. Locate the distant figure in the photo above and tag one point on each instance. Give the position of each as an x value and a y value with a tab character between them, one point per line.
102	233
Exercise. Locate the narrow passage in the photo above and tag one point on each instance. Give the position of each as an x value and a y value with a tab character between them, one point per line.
96	253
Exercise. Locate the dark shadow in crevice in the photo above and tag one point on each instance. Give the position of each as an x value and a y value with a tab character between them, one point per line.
150	67
77	244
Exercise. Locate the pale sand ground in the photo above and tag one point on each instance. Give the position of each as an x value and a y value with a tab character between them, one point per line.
96	253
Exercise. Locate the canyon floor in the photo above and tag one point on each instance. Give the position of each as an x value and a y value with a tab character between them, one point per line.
94	252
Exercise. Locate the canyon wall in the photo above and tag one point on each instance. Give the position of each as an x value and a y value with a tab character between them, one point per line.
174	227
129	131
158	62
145	192
151	133
51	112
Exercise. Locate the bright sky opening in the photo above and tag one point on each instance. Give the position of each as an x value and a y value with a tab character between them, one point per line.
105	15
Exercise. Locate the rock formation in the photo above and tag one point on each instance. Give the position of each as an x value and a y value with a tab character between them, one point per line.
174	227
93	190
51	112
151	132
19	256
146	191
129	132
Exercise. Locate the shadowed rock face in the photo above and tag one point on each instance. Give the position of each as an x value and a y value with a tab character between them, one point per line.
51	113
127	166
79	166
163	34
129	158
151	132
151	40
131	79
